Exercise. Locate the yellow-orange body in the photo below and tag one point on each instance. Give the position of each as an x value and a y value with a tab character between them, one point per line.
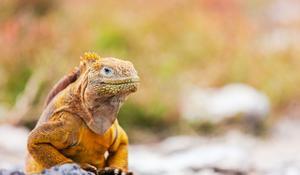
75	142
79	122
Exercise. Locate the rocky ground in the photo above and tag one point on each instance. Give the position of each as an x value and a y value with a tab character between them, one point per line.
232	154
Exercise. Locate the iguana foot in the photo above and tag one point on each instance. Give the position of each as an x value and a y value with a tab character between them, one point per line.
113	171
89	168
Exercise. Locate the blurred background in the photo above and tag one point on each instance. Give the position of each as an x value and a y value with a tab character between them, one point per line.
219	87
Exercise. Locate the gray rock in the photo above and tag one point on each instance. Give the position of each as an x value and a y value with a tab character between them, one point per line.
11	172
66	169
216	105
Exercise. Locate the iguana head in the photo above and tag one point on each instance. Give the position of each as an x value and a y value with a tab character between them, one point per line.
108	77
105	83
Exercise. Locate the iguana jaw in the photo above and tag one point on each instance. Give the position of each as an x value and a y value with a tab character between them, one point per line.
119	86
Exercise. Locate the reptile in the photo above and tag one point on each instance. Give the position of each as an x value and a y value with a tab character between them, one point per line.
79	121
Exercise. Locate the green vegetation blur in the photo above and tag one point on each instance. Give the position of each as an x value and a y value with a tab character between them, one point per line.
208	43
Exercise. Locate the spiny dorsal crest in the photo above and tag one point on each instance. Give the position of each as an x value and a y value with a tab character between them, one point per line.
90	57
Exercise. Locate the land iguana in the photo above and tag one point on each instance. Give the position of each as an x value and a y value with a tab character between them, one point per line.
79	125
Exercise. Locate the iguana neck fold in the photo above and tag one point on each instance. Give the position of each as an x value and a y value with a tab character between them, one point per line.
98	113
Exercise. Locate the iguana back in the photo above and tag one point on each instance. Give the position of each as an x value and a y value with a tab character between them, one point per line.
62	84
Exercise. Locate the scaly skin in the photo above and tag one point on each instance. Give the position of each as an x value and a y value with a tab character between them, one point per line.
79	122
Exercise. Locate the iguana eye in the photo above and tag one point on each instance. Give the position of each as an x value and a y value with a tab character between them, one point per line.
107	71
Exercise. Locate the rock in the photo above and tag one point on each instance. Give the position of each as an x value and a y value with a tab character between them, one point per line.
12	172
234	153
12	146
215	105
66	169
197	155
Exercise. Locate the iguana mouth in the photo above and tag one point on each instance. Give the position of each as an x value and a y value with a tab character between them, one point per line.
122	81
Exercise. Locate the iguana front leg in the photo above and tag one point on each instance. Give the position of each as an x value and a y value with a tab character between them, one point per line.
117	161
45	141
119	158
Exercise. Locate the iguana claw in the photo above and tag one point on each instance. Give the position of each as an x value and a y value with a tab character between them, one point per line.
113	171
